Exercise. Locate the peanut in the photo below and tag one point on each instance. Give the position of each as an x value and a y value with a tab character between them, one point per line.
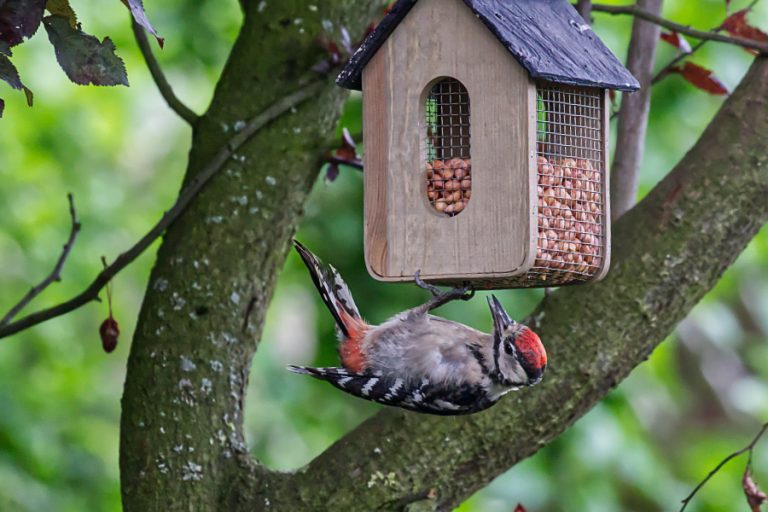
570	215
449	184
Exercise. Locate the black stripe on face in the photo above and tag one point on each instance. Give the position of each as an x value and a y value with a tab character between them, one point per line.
496	374
475	350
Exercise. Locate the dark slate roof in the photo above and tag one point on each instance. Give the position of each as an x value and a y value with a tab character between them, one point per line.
547	37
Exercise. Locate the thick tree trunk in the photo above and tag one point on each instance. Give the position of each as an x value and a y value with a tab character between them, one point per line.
182	444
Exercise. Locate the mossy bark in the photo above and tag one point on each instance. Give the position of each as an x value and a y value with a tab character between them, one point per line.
182	444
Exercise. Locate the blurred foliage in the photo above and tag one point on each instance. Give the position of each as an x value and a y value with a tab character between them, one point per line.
122	153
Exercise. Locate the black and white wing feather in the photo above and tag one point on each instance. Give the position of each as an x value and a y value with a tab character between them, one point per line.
333	290
421	397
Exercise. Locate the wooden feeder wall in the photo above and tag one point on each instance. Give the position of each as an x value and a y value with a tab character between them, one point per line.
474	171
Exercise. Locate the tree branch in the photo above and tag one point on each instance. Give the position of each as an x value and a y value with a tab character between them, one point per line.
666	70
186	196
633	114
55	275
669	251
723	462
157	74
634	10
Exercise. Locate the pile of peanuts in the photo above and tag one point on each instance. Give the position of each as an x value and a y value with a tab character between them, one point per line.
449	185
570	219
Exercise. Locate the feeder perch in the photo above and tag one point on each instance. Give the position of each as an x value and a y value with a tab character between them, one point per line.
486	143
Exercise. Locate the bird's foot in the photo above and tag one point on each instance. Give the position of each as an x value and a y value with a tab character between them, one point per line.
465	292
434	290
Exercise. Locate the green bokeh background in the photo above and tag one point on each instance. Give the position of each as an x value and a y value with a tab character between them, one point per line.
122	153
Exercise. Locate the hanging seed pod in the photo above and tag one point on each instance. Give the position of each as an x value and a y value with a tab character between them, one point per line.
109	332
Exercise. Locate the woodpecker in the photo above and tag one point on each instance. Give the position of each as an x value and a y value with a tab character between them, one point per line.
422	362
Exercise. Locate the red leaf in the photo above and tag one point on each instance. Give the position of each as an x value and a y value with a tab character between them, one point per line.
109	332
388	8
520	508
737	25
701	78
755	497
137	11
677	40
332	173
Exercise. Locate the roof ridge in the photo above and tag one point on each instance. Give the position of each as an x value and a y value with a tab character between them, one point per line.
564	49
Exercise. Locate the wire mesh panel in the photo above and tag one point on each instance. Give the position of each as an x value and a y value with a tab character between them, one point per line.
448	160
571	174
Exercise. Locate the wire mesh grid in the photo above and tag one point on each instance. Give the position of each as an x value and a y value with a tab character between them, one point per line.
570	171
448	158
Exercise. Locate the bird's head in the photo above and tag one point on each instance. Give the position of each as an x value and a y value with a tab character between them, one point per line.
519	356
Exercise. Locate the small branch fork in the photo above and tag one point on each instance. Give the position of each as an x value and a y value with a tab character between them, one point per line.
747	449
702	35
162	83
666	70
186	196
55	275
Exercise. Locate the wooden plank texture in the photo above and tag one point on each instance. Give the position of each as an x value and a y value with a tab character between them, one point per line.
492	236
377	105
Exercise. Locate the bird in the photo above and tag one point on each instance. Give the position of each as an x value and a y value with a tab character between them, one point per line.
421	362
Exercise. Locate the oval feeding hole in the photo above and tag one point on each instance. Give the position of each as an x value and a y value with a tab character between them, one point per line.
448	160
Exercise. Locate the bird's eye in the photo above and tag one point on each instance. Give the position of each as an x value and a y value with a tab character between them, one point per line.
509	348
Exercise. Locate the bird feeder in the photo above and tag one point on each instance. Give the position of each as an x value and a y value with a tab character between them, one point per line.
486	143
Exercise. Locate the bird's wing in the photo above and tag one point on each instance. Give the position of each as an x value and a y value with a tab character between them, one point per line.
421	397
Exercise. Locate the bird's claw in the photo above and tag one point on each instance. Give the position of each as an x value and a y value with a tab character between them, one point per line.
434	290
465	292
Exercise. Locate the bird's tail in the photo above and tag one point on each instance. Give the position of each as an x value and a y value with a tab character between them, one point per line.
335	294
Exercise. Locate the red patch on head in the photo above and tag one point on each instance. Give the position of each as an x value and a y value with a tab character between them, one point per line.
530	347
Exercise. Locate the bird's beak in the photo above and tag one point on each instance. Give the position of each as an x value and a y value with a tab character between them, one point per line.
501	319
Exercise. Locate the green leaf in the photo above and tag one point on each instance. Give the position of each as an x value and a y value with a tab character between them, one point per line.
19	19
83	58
137	11
63	9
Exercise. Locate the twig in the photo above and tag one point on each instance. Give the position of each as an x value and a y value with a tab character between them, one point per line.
157	74
585	10
633	10
666	70
55	275
725	461
185	197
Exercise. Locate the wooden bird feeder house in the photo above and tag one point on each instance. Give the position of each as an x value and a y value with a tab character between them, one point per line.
486	143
